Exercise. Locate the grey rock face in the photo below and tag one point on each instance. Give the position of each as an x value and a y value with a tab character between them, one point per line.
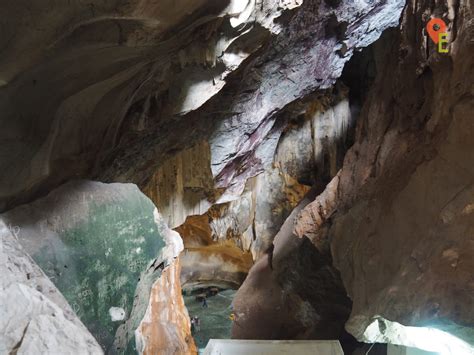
92	73
100	99
35	317
302	59
101	244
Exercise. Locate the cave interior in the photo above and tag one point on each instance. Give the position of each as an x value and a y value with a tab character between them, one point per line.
237	177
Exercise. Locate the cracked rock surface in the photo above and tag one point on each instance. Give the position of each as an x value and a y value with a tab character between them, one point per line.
35	316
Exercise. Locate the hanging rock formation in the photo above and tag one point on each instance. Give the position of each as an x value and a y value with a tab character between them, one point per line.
74	127
221	244
79	59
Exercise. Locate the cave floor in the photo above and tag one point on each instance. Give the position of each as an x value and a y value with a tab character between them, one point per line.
215	320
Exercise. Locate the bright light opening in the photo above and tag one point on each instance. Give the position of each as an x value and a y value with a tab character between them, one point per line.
425	338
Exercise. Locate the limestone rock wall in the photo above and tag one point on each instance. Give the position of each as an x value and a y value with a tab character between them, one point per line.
196	102
397	218
165	329
104	246
103	77
222	243
97	75
35	315
293	291
117	90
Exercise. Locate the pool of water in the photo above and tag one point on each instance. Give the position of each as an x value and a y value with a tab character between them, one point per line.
215	319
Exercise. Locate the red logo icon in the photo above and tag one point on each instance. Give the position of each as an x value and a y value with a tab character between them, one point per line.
436	29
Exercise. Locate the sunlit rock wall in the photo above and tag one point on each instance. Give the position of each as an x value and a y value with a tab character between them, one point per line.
222	244
293	291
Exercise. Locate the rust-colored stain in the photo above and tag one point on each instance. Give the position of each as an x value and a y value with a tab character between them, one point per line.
167	328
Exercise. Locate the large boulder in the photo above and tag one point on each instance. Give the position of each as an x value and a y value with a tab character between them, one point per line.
36	318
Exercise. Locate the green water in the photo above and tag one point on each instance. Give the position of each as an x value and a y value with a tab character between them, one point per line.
215	321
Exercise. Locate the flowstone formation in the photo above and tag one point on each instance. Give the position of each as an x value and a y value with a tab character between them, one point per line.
222	244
